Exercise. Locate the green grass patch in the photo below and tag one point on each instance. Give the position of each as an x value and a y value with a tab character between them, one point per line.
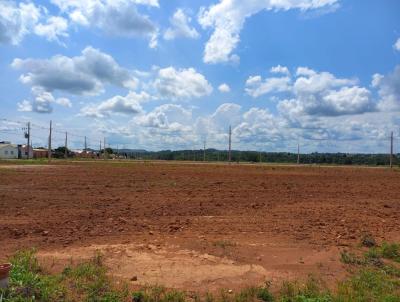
223	244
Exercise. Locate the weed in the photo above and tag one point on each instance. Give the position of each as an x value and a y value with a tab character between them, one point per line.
223	244
311	291
391	251
369	285
28	284
350	258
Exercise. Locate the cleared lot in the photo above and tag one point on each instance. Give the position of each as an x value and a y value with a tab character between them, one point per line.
196	226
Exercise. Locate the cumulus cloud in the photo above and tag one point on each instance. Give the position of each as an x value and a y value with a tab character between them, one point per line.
225	115
180	27
166	116
53	29
256	87
119	17
389	90
227	18
129	105
396	45
280	69
322	94
42	102
84	74
224	88
181	84
17	20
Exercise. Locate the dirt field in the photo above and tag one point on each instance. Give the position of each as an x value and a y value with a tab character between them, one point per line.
195	226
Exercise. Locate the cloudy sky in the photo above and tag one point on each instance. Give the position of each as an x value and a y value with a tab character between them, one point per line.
169	74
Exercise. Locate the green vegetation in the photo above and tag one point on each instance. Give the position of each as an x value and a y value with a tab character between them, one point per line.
223	244
266	157
85	282
375	277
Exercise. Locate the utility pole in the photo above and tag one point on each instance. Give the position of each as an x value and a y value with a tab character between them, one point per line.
104	146
49	147
66	145
230	144
204	151
29	140
85	145
260	157
100	149
298	153
117	151
391	150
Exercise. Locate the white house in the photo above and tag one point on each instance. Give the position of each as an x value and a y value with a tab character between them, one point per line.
8	151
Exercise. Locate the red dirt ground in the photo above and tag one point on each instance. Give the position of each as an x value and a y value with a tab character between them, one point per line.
197	226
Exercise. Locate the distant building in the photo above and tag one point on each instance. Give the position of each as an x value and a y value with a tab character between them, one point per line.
24	151
84	154
40	153
8	151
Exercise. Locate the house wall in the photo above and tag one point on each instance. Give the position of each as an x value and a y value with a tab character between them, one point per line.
40	153
23	151
8	152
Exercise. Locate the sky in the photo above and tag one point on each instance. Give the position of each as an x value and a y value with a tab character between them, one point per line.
158	74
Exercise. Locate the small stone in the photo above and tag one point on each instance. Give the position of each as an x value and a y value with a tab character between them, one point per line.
230	291
151	233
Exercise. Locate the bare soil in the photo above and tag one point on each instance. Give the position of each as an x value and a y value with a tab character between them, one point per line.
195	226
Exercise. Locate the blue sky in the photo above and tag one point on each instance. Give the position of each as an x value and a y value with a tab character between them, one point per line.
158	74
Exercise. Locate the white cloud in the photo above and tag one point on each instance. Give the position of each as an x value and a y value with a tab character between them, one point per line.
224	88
323	94
228	16
396	45
42	102
85	74
388	89
180	27
280	69
16	21
119	17
54	28
181	84
166	116
305	71
129	105
225	115
256	87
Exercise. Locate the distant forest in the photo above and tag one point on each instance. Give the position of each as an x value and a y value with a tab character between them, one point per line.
266	157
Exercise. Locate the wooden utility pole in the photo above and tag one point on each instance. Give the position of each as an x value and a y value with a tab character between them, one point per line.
230	144
204	151
298	153
49	146
29	140
66	145
104	147
100	149
85	145
391	150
